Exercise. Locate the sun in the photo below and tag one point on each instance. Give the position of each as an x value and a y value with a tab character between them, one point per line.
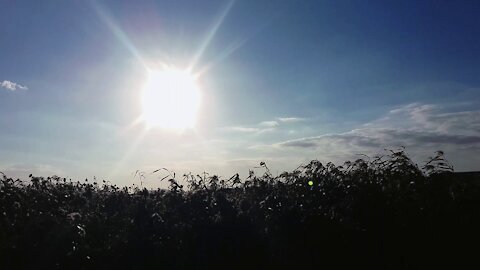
170	99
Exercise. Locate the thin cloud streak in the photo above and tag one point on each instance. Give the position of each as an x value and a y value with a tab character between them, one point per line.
268	124
12	86
414	125
378	138
244	129
291	119
265	126
421	128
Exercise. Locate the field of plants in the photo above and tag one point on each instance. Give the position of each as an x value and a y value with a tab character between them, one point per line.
377	213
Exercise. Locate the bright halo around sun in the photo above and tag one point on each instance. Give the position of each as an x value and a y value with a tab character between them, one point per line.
171	99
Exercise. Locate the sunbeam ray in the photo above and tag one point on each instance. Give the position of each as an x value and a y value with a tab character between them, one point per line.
234	46
118	32
222	56
211	35
127	154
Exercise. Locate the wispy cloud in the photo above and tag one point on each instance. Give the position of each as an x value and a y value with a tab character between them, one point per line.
243	129
376	138
290	119
268	124
254	130
412	124
12	86
22	170
422	128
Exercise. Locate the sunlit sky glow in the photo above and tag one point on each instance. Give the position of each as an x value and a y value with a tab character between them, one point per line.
106	88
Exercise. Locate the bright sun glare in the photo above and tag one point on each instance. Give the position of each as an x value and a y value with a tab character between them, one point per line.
171	99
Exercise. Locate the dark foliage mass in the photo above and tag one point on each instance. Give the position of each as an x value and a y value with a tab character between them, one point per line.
380	213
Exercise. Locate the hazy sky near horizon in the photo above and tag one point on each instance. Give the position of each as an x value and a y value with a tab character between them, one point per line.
281	81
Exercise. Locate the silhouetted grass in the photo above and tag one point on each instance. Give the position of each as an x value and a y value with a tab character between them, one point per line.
385	213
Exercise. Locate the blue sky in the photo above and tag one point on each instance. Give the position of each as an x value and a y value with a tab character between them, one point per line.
281	81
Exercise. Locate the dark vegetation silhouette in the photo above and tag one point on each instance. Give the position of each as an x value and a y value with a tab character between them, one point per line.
378	213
